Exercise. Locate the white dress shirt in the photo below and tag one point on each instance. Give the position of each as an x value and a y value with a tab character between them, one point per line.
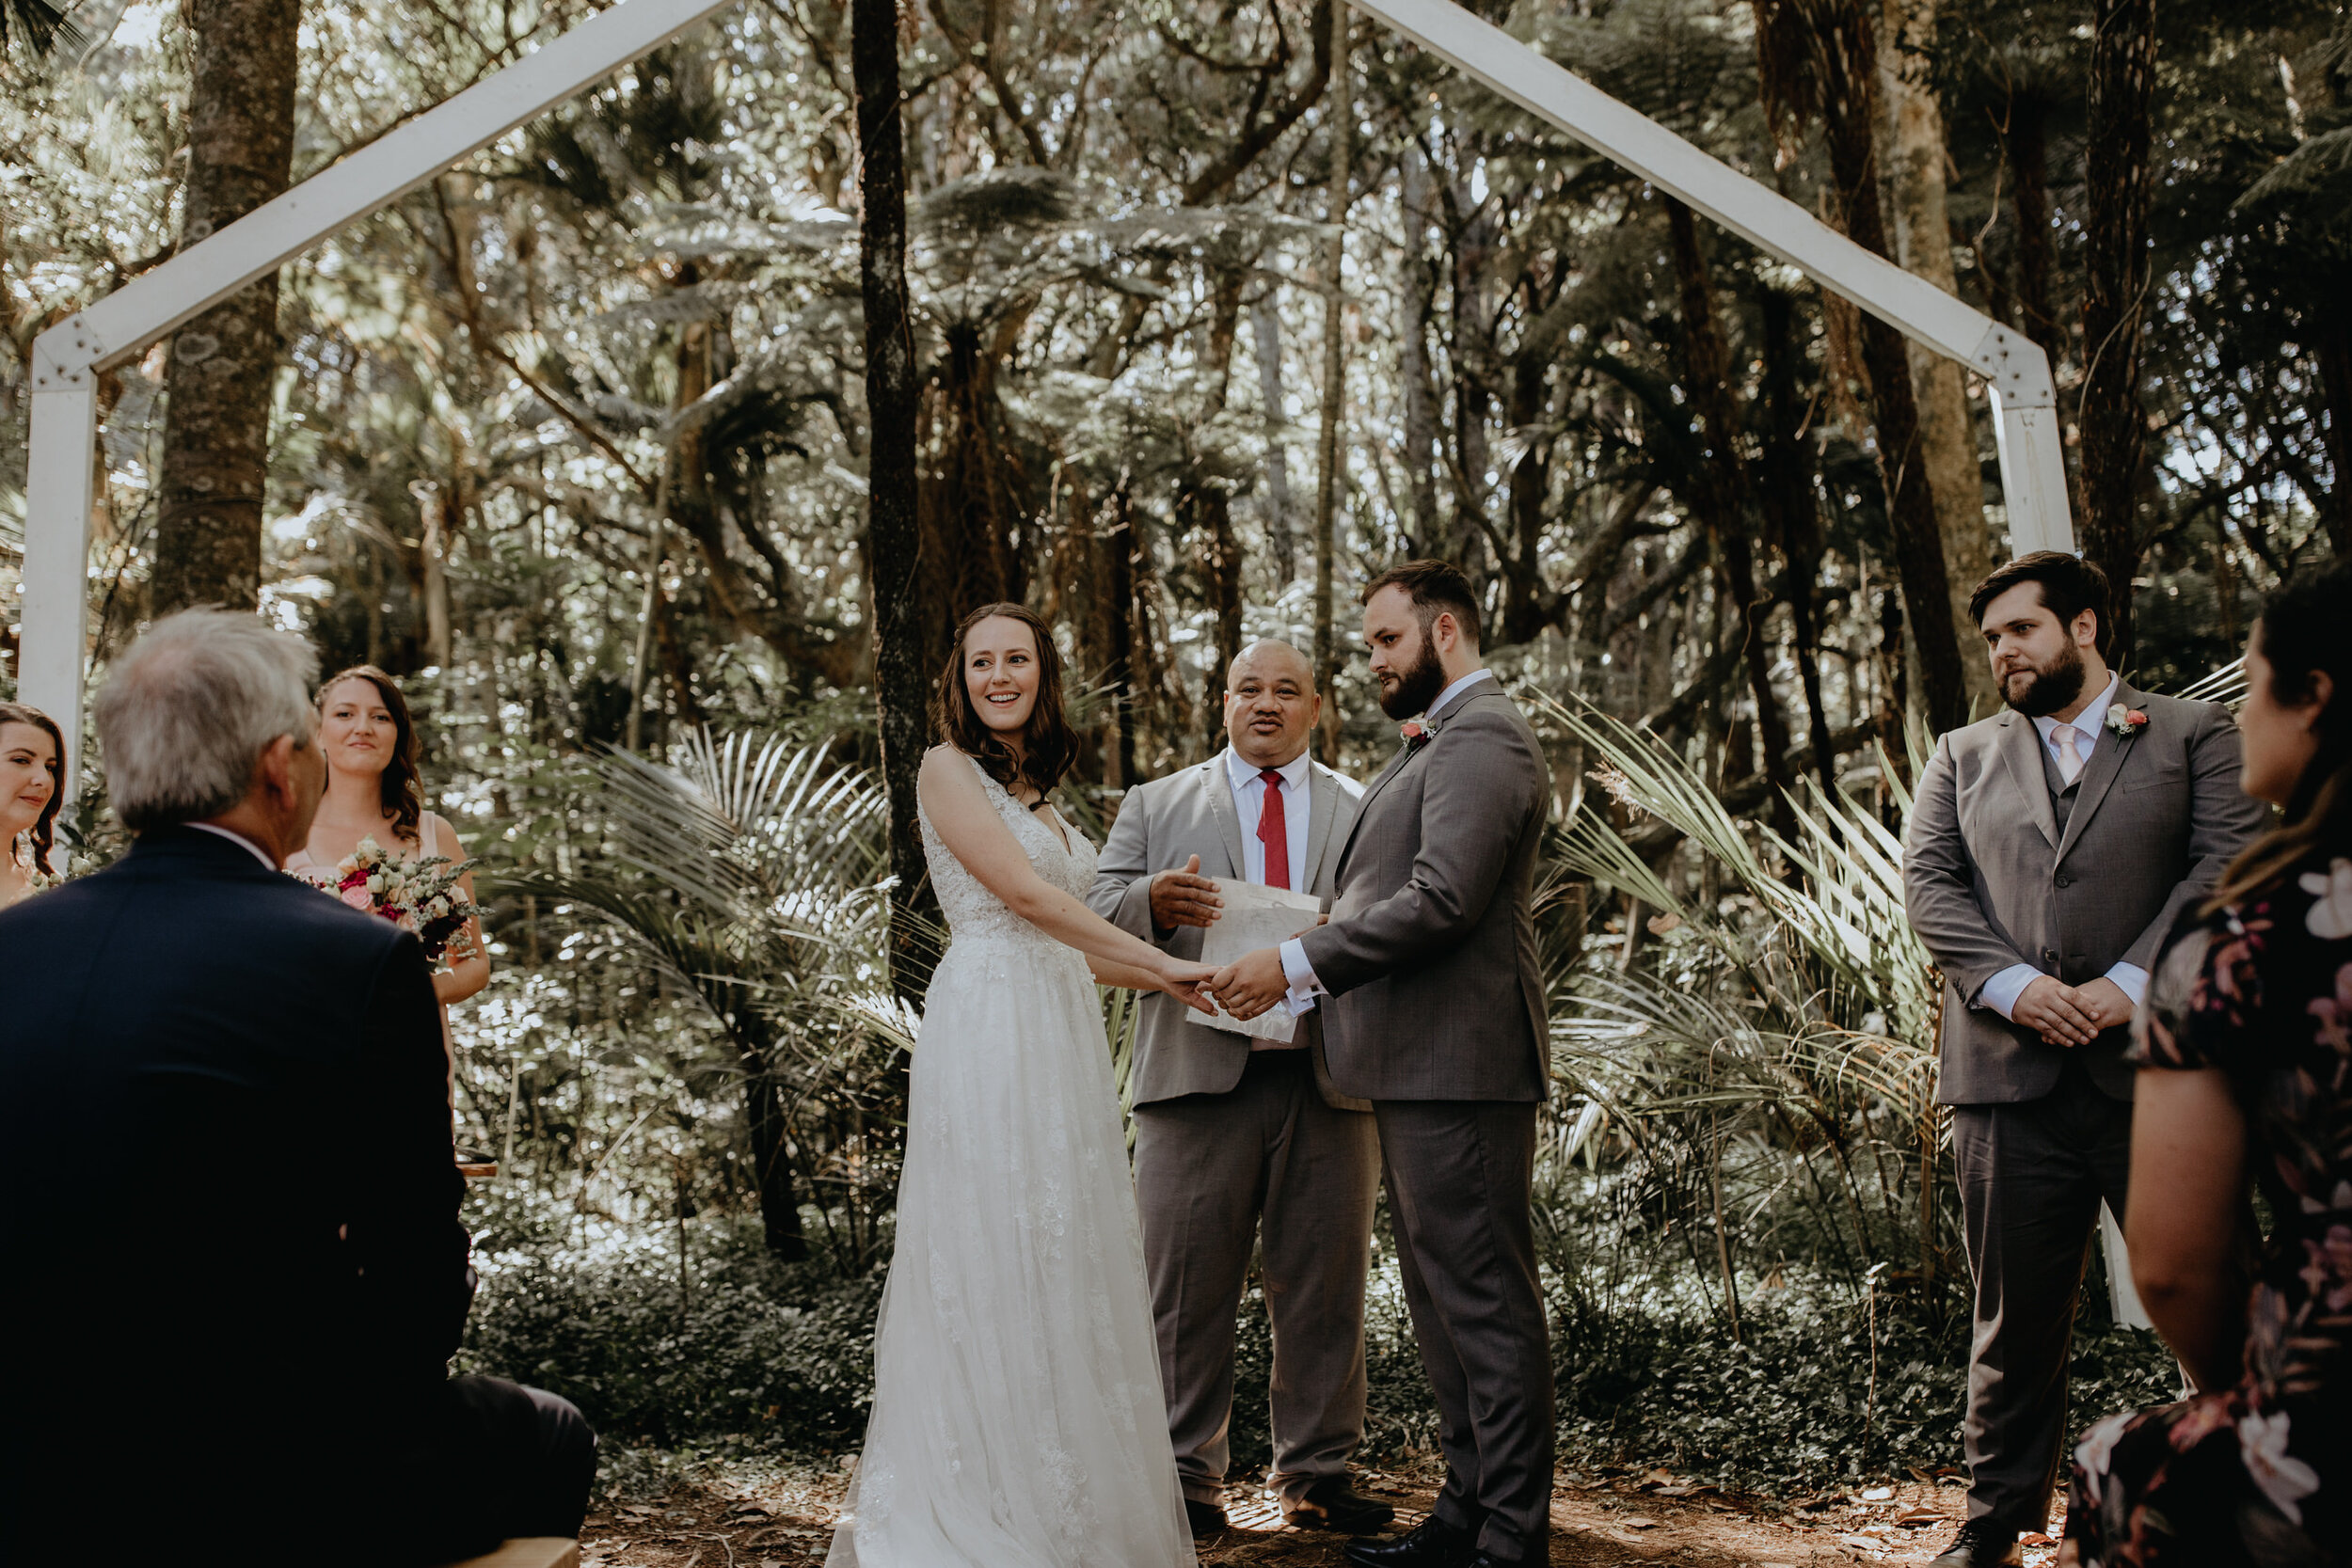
2001	993
237	838
1250	791
1305	987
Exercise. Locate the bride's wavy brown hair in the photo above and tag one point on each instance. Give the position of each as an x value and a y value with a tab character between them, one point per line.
403	784
1048	744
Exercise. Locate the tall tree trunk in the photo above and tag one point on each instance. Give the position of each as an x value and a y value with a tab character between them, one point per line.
2116	171
2029	144
1529	489
771	1155
1419	289
1266	328
682	475
1342	127
1786	495
1213	501
2332	348
1115	581
1841	63
1730	489
435	507
216	462
892	560
968	505
1914	125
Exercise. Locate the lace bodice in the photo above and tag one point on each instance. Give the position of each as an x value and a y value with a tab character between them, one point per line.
972	912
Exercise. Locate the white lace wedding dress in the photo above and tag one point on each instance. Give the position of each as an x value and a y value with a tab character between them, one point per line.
1018	1418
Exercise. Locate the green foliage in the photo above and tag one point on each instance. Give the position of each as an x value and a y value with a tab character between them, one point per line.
1811	1396
730	1347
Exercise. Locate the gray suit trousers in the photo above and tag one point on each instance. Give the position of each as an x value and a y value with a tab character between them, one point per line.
2031	1178
1209	1169
1460	1174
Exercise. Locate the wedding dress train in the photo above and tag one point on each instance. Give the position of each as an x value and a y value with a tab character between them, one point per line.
1018	1418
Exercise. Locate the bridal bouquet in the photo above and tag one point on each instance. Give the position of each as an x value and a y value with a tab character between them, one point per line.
419	895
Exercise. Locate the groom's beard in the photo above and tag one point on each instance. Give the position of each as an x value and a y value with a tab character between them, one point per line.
2040	690
1417	688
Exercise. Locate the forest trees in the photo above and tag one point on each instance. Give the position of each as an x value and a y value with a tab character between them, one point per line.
644	375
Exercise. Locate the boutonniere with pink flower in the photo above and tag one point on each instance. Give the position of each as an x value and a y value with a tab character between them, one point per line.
2127	721
1415	731
419	895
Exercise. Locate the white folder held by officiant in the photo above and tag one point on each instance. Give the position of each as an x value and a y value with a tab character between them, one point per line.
1254	916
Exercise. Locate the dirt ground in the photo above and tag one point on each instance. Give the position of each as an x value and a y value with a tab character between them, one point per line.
784	1519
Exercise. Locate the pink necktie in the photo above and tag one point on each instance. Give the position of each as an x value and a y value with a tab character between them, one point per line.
2069	761
1274	832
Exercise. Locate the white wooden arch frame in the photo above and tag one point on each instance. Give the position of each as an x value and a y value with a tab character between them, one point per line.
67	359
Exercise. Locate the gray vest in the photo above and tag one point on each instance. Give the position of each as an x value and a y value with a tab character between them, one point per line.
2062	795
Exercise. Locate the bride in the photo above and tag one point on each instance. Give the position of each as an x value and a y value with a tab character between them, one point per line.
1018	1419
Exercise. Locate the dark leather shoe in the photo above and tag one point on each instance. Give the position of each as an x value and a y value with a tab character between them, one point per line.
1206	1519
1487	1559
1332	1504
1434	1545
1980	1546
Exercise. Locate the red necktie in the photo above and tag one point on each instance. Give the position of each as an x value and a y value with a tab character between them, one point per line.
1274	832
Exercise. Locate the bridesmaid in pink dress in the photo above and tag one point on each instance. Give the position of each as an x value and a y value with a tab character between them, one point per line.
373	790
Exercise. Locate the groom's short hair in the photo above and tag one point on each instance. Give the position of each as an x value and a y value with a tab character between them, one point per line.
1437	588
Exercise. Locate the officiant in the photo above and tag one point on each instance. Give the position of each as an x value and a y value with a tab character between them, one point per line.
1242	1139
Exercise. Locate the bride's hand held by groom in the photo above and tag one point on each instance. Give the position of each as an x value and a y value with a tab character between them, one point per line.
1188	982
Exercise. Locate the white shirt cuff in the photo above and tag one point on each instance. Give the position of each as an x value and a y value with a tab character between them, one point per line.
1305	987
2131	980
2001	993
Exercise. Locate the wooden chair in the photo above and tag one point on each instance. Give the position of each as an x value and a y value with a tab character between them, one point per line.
543	1551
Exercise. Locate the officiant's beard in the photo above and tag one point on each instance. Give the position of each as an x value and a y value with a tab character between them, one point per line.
1417	688
2053	686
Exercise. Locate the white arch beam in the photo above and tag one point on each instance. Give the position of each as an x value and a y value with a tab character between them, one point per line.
60	487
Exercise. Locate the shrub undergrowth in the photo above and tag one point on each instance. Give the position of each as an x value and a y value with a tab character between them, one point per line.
756	1356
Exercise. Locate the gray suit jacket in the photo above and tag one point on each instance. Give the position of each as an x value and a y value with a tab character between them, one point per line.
1990	881
1437	993
1160	826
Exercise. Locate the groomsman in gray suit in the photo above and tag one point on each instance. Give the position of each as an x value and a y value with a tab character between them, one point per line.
1433	997
2052	847
1239	1138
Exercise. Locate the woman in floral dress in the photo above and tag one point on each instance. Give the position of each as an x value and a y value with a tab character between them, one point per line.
2245	1048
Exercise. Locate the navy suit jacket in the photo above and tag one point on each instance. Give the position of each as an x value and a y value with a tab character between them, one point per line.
229	1251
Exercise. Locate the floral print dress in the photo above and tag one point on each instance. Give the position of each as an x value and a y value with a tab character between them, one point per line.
2259	1473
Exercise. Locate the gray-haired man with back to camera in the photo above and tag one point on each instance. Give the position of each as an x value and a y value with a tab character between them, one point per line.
1238	1138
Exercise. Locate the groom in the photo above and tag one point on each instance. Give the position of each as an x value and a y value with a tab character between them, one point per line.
1433	1010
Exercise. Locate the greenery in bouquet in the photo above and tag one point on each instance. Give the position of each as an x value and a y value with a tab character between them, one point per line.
420	895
